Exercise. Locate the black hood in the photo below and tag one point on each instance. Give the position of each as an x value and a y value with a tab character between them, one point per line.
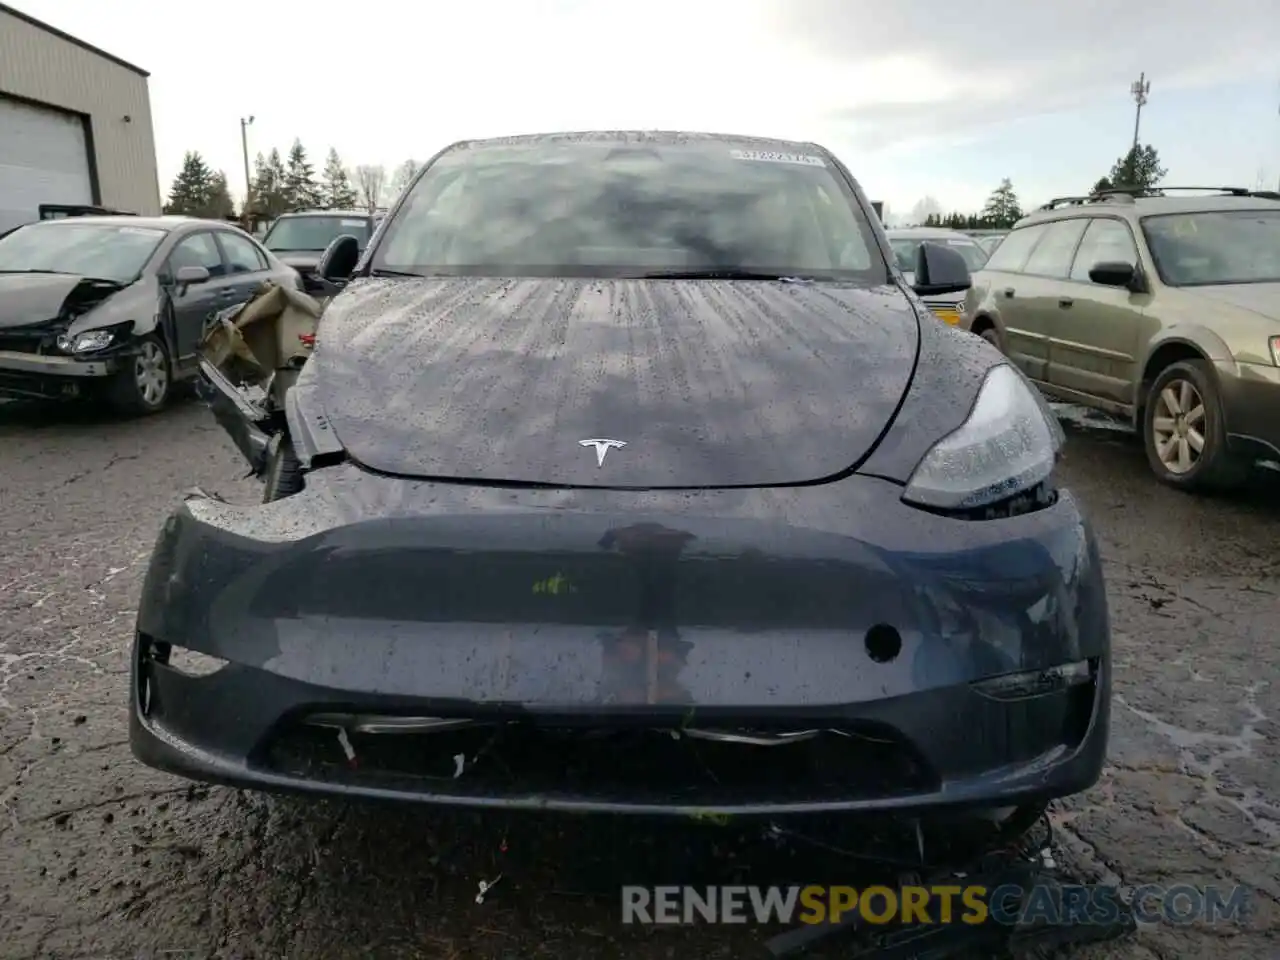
707	383
27	298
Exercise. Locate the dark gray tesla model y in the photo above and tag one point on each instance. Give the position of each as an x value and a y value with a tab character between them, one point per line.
628	474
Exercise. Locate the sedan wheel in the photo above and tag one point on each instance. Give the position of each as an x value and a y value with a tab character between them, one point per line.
1186	434
143	386
151	374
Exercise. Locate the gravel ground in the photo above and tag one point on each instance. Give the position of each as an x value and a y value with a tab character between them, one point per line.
100	857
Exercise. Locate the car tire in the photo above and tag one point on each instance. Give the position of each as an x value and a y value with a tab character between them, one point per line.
284	471
990	335
1169	433
145	385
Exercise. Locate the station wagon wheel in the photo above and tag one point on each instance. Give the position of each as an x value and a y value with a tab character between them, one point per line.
1185	433
1178	426
144	383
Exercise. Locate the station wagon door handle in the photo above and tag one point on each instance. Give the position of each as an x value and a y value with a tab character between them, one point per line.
1065	302
1008	291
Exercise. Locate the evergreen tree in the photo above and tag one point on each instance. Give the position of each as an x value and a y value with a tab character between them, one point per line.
191	187
1139	168
218	204
268	185
336	191
1003	209
1103	184
300	189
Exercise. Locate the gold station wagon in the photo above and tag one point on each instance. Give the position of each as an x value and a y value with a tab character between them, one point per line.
1159	307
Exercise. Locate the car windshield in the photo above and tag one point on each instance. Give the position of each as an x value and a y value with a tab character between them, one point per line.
75	246
906	248
630	209
1219	246
313	234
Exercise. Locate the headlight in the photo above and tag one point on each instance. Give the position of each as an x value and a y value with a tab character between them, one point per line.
1009	444
1275	350
88	341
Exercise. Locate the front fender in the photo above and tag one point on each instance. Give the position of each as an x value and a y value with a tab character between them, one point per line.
1194	335
949	372
313	436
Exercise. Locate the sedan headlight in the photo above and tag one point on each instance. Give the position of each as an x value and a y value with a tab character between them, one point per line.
1275	350
1009	443
89	340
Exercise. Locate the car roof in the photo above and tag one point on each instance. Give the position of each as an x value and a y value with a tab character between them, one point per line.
1133	207
652	137
924	233
167	223
121	220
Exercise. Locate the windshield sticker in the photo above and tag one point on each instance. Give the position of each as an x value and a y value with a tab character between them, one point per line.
353	223
763	156
141	232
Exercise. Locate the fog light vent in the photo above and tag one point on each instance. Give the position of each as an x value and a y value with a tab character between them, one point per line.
1037	683
194	664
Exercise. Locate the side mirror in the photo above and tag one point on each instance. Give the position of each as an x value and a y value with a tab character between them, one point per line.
339	259
1113	273
939	270
188	275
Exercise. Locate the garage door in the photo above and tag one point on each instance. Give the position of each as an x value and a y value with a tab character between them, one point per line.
43	159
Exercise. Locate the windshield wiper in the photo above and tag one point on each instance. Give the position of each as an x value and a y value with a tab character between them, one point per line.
395	273
58	273
721	274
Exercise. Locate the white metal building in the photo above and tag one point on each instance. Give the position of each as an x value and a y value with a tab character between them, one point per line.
75	125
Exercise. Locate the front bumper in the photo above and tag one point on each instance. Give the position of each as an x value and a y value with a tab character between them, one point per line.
1251	404
536	614
29	375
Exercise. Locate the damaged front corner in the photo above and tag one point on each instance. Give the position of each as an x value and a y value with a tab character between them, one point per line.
249	358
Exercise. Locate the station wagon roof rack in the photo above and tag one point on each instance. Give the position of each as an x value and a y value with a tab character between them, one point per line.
1140	192
1105	196
1132	194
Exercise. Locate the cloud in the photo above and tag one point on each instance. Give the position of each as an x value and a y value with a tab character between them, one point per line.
881	83
962	66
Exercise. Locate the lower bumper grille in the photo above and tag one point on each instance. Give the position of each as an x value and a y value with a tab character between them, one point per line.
27	343
627	763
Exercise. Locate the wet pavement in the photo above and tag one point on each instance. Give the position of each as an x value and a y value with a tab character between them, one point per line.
100	857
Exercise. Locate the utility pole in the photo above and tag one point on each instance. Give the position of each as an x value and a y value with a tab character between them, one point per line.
1139	89
248	184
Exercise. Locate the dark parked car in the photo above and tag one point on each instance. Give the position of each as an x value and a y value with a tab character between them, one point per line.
116	305
905	243
300	238
628	474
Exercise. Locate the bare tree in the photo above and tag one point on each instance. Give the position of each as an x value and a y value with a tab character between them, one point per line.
924	208
404	173
370	181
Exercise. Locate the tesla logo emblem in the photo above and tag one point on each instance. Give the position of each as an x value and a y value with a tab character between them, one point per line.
602	448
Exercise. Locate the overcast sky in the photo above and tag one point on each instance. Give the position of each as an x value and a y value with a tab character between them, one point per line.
918	97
